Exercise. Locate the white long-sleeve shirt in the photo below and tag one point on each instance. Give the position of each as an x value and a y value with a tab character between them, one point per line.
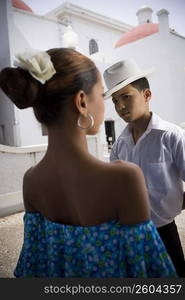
160	153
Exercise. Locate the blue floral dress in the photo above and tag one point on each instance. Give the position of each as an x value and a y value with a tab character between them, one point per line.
107	250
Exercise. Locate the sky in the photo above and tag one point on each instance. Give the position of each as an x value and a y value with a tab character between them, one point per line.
123	10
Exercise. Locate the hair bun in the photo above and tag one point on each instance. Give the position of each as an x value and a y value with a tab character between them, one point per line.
19	86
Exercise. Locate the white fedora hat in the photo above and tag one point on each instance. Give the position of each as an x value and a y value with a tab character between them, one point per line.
121	74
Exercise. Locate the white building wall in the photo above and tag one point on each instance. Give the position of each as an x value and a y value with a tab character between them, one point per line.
40	32
176	50
7	115
104	36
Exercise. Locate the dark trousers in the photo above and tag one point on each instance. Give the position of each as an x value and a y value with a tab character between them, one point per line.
171	240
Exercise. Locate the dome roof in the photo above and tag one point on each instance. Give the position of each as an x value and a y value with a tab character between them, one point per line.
137	33
21	5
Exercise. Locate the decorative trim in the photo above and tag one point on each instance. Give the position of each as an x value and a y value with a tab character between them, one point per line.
71	9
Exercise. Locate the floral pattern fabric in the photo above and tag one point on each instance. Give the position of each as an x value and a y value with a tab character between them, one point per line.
107	250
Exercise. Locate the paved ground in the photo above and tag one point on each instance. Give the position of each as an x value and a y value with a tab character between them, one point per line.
11	236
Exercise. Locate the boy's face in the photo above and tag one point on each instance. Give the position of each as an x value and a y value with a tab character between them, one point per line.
130	103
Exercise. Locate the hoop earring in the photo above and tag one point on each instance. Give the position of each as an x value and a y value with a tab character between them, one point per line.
91	122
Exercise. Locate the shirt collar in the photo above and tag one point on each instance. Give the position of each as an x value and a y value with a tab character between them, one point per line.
155	123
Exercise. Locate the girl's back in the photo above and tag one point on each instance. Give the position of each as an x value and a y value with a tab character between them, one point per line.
88	192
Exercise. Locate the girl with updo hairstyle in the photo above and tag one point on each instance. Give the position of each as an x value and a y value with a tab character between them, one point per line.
83	217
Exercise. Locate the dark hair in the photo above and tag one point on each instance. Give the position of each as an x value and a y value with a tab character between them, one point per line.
141	84
74	72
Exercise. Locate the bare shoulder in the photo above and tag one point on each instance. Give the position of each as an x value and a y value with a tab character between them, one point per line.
27	179
130	193
28	190
128	170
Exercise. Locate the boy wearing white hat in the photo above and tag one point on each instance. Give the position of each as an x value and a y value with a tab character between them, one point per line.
157	146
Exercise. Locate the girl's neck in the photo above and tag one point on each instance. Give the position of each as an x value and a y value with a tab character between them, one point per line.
66	142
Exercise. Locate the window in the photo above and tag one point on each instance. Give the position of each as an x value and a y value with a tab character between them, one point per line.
93	46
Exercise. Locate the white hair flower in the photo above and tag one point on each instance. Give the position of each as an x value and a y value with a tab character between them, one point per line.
37	63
